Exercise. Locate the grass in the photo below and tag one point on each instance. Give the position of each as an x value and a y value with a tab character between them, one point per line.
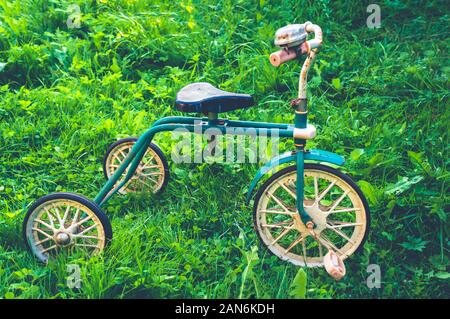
377	96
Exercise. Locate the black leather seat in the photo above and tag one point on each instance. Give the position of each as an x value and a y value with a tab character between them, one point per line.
202	97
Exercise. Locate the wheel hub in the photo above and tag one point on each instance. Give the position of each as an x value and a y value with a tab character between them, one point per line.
318	216
63	238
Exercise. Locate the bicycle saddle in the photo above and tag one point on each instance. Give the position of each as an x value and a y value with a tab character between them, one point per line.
202	97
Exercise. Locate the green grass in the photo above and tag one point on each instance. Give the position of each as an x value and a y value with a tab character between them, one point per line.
379	97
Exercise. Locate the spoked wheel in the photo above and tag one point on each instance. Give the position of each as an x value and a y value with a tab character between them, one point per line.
65	222
334	202
151	175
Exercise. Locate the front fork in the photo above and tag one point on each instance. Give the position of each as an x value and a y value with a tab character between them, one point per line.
306	219
301	121
332	261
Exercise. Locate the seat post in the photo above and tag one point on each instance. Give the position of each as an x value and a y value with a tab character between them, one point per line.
212	119
212	116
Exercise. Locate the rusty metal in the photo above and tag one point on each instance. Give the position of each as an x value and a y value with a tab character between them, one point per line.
292	39
296	102
313	46
302	83
288	54
318	39
291	35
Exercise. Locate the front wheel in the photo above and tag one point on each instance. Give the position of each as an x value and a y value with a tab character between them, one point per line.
65	222
335	203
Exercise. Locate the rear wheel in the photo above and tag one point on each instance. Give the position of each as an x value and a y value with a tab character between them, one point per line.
334	202
151	175
65	222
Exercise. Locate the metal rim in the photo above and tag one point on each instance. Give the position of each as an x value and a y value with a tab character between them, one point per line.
64	225
334	205
149	175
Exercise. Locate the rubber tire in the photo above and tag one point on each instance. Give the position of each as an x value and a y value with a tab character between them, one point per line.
153	146
106	224
327	169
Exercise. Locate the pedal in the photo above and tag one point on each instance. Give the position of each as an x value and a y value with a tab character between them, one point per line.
334	265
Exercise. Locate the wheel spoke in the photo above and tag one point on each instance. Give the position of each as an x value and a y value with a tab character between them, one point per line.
58	216
340	233
288	190
66	213
337	202
327	243
325	192
123	154
320	250
87	229
152	174
145	183
42	232
294	243
336	224
279	202
345	210
148	160
50	218
269	211
282	234
45	224
145	166
316	187
87	245
81	222
117	159
85	236
277	225
304	251
75	217
43	241
49	248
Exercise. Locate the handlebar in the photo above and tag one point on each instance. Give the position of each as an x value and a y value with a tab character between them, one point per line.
288	54
317	41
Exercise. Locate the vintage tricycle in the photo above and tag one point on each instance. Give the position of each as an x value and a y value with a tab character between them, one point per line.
307	213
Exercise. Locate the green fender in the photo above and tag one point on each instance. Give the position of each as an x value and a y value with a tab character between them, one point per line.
315	155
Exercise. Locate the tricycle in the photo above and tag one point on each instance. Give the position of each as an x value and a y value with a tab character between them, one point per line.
308	213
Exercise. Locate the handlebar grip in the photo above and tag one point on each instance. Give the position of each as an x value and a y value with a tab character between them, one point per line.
279	57
288	54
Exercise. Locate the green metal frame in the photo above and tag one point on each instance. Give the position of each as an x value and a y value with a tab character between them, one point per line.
200	125
193	125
